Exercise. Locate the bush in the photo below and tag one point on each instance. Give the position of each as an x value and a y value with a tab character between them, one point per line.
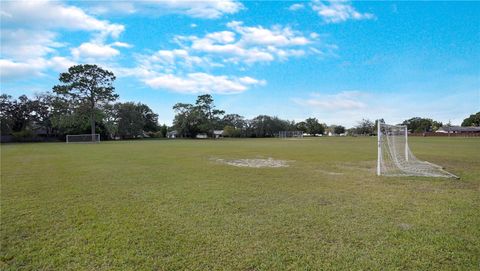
157	134
24	135
230	131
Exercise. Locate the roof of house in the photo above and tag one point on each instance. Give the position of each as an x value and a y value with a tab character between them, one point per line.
459	129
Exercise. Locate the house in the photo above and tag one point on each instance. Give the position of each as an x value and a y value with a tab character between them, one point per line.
201	136
458	130
172	134
218	133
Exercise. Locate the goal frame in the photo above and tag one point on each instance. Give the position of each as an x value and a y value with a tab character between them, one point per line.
97	136
290	134
398	163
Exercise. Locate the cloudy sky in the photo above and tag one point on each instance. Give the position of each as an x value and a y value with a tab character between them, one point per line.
338	61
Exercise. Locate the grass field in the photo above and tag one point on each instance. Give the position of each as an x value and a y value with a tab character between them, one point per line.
168	205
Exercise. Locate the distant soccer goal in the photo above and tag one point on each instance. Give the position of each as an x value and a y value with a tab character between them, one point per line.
84	138
290	134
395	158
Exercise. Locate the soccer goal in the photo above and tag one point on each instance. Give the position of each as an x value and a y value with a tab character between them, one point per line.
85	138
396	159
290	134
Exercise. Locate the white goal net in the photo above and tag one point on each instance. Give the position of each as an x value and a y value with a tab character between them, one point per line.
290	134
85	138
396	159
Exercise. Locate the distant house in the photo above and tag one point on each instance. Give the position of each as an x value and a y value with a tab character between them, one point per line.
202	136
218	133
172	134
458	130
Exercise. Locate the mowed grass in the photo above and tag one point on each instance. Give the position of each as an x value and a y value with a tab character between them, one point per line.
168	205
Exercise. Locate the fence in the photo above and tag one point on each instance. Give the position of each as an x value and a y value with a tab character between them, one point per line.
464	134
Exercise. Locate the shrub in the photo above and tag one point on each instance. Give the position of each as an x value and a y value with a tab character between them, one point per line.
24	135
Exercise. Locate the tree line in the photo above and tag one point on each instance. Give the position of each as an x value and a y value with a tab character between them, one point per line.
203	117
84	102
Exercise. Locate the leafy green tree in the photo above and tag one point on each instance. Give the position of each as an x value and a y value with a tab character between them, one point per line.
230	131
164	130
74	120
314	127
234	125
419	125
365	127
130	120
110	120
7	105
210	116
203	117
339	129
233	120
44	112
149	117
472	120
88	86
267	126
19	115
301	126
187	119
23	113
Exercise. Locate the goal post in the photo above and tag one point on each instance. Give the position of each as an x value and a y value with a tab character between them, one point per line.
379	149
83	138
290	134
394	157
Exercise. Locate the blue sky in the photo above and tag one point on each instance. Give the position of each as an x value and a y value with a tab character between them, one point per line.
338	61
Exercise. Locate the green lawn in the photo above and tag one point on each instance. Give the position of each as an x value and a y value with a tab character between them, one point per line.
168	205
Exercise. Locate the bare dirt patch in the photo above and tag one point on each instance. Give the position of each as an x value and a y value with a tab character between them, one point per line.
328	172
254	163
405	226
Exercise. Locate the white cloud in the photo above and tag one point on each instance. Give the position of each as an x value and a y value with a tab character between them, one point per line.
43	14
60	64
345	100
24	44
338	11
296	7
11	70
194	83
121	44
170	61
197	9
276	36
92	50
177	70
221	37
29	41
109	7
188	68
205	9
97	51
244	44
